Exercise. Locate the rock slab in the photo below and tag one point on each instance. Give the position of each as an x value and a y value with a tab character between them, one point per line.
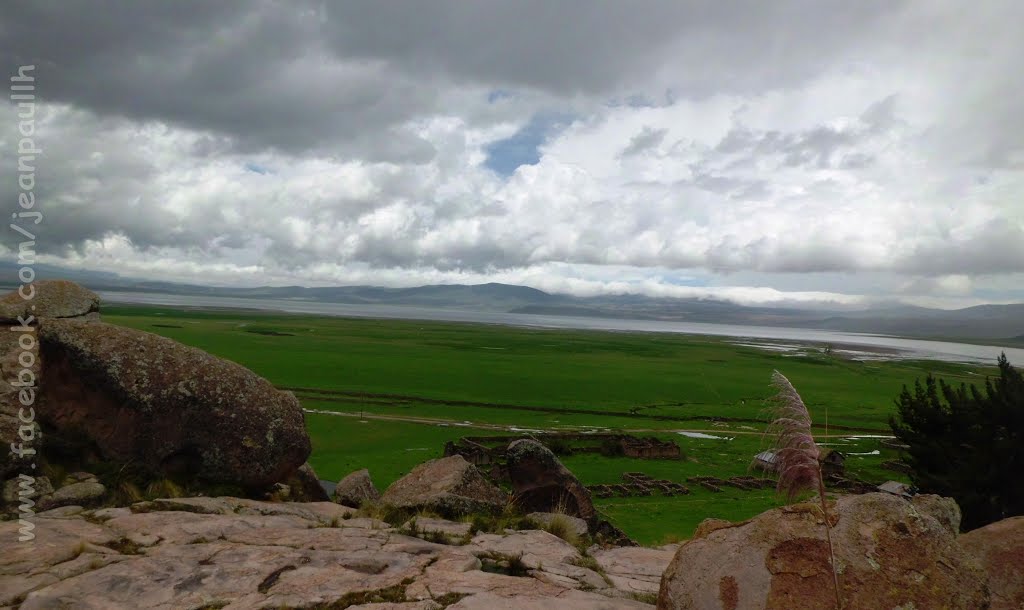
242	554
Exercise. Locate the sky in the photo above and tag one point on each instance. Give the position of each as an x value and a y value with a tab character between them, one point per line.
810	152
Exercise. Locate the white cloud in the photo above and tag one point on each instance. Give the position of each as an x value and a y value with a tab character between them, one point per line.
870	153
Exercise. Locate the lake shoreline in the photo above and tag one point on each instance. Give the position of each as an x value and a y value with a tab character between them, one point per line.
898	348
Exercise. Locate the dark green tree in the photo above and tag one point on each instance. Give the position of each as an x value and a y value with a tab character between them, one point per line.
967	443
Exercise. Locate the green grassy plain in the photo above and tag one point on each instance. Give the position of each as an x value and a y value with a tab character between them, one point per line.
418	384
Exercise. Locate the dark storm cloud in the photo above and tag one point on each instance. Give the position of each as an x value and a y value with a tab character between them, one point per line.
255	72
568	47
342	77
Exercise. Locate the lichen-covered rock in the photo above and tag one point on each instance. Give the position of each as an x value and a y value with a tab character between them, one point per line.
52	299
172	408
888	555
542	484
451	486
945	510
999	548
355	489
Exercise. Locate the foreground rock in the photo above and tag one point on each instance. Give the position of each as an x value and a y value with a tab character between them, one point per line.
450	486
889	555
999	548
154	402
241	554
355	489
542	484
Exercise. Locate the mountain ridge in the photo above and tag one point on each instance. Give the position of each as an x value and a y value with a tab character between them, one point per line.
1004	323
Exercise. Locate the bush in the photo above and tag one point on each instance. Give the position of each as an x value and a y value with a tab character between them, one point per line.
966	443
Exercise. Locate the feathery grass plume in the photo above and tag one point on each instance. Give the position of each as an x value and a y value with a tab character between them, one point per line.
796	453
796	456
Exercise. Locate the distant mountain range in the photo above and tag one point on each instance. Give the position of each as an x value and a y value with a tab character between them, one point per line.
1002	324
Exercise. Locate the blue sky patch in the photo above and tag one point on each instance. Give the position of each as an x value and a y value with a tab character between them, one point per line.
521	148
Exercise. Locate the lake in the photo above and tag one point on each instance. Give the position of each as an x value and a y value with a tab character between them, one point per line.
858	345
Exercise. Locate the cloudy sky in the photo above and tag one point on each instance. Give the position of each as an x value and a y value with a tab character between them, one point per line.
771	152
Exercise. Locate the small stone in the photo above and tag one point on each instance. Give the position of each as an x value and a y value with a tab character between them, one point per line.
79	477
355	489
451	486
85	493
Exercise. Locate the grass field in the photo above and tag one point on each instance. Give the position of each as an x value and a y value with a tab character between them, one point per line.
393	392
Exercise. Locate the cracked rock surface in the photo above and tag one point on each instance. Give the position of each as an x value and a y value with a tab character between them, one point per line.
235	553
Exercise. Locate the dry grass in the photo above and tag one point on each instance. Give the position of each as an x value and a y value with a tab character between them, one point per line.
126	493
561	526
164	488
797	456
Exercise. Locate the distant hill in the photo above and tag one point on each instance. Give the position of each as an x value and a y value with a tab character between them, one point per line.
1002	324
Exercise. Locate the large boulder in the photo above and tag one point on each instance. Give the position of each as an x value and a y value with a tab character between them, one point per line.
148	400
355	489
451	486
999	548
888	555
542	484
51	299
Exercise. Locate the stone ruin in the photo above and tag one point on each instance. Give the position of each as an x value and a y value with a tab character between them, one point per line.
489	452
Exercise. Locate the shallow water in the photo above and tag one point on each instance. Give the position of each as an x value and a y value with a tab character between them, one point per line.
874	346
